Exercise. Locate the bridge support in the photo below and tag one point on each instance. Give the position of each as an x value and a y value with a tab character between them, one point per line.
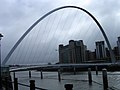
29	74
89	76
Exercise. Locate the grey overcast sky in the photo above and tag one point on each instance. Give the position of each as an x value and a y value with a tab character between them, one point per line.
16	16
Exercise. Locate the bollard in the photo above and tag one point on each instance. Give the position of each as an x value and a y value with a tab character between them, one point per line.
6	83
15	84
13	75
105	81
96	68
29	74
89	76
10	83
68	86
32	84
59	76
74	70
41	74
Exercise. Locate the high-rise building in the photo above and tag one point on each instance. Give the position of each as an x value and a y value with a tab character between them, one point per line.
100	50
115	51
63	54
118	43
74	52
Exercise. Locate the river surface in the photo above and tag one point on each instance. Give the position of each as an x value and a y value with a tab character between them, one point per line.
80	80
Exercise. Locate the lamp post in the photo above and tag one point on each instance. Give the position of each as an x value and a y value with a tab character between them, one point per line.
0	63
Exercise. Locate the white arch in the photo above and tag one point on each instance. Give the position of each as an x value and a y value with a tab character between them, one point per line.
44	16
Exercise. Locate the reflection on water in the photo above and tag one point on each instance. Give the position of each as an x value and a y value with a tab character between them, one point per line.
79	81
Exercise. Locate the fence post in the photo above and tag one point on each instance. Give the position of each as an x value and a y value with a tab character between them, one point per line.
96	68
74	70
59	76
105	81
89	76
15	84
32	84
29	74
41	74
68	86
6	83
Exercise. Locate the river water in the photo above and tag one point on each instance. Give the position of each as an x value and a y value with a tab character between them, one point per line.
79	81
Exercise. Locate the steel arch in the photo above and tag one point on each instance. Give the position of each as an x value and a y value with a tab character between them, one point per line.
50	12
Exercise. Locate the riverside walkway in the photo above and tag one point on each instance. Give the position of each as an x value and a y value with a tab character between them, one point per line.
79	81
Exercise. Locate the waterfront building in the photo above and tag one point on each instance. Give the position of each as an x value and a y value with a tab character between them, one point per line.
100	50
90	56
118	43
116	53
74	52
63	54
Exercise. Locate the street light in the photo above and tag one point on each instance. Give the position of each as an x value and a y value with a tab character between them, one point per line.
0	63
